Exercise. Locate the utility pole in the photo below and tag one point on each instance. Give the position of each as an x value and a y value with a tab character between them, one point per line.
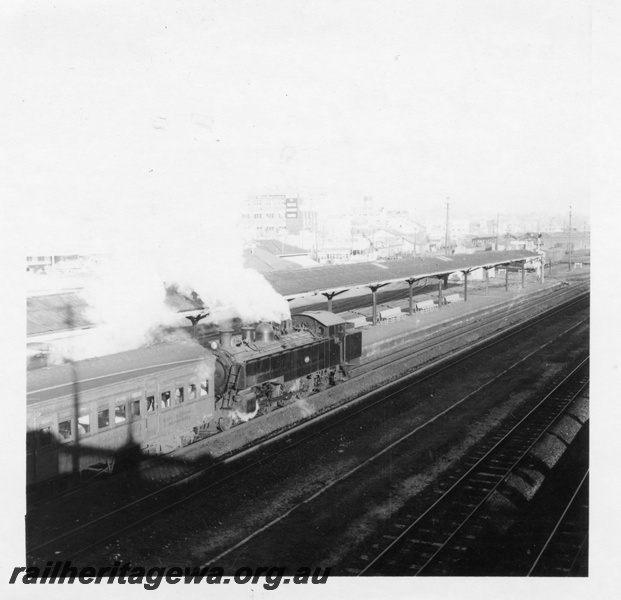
569	241
447	229
497	228
543	266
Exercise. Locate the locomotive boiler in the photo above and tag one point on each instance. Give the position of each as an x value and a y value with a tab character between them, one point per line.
269	366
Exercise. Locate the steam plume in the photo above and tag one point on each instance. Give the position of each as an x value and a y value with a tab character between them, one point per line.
127	297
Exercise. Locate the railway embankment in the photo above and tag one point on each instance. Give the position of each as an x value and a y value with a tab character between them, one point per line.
527	478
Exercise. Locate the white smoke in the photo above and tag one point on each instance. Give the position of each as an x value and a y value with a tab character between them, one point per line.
126	299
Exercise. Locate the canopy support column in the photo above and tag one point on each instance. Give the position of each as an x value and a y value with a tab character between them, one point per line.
441	281
374	289
465	285
411	282
329	296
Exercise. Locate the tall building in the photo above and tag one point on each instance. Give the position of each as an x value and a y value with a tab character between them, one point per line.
277	216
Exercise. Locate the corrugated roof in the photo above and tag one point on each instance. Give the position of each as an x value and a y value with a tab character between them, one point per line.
302	282
67	311
55	312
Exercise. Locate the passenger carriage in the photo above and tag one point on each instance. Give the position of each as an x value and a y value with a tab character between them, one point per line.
87	414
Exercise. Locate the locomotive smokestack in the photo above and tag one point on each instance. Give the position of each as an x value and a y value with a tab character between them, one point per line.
225	338
248	333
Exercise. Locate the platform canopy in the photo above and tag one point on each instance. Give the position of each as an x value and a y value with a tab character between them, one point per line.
300	283
48	315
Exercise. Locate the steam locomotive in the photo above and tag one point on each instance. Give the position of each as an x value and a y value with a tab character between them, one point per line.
264	367
86	415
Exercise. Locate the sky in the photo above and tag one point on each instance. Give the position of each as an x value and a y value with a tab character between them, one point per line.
134	116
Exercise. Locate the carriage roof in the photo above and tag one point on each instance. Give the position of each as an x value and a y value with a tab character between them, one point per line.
58	381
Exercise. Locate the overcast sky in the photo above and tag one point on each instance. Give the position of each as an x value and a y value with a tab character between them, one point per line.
123	113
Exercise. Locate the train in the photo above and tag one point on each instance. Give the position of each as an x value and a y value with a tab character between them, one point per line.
88	415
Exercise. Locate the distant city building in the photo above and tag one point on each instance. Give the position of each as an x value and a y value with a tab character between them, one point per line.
277	216
61	263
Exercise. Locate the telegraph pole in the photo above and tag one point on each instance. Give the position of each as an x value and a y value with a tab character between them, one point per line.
447	229
569	241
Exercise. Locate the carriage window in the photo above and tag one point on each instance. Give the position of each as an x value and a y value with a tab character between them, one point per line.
84	424
120	416
165	400
204	387
135	408
103	418
192	391
64	430
150	403
179	395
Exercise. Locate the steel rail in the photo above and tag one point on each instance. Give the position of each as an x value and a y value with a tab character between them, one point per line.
358	467
558	523
427	371
359	371
466	329
457	484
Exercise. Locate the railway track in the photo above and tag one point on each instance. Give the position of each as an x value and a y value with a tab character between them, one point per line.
564	551
416	353
436	541
475	330
74	541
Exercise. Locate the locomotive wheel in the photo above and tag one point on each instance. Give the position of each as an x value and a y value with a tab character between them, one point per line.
224	423
266	408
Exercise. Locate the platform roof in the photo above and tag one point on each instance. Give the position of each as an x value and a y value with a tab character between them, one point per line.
48	314
55	312
297	283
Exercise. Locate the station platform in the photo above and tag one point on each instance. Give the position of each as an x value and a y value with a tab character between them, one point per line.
387	335
378	340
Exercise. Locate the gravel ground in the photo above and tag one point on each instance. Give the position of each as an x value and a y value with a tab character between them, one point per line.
348	515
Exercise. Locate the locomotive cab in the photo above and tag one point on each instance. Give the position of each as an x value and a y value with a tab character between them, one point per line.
322	323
